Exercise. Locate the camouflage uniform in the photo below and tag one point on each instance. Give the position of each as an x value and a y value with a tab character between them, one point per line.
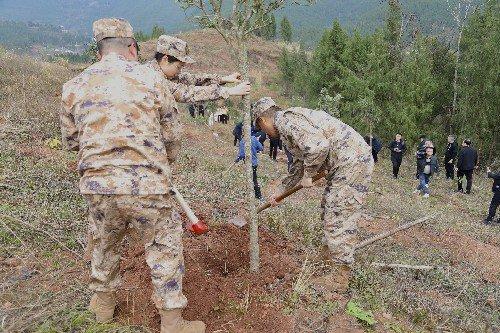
124	123
319	142
186	87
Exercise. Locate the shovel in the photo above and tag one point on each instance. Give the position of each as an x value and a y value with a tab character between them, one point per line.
240	221
195	225
291	191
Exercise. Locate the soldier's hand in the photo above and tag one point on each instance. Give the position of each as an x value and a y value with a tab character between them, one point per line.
306	182
232	78
488	170
241	89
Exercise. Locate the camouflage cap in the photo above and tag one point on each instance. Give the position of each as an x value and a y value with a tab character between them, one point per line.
174	47
112	28
261	106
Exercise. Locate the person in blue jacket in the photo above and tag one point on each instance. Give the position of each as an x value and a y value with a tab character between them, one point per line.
257	147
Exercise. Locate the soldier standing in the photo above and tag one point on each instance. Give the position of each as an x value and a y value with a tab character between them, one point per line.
320	142
122	120
172	54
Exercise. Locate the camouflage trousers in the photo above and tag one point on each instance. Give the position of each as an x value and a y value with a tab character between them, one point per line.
347	186
160	229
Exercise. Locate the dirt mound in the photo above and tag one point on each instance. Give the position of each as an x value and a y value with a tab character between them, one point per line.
217	283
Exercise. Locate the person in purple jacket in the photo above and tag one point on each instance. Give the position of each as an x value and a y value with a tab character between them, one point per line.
256	148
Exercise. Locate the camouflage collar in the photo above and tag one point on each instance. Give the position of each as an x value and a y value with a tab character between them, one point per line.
113	56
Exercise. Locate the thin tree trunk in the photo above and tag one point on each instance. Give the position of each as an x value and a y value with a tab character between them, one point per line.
252	210
455	80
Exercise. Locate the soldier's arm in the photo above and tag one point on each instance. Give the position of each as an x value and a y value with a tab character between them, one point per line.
192	94
170	124
294	176
200	79
69	132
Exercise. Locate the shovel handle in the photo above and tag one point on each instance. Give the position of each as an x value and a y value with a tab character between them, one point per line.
290	192
184	205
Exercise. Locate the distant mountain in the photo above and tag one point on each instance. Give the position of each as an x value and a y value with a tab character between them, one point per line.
309	21
79	14
40	39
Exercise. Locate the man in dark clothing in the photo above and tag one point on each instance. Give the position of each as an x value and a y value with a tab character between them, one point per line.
420	147
449	157
467	162
274	144
192	110
398	148
237	132
427	165
495	201
376	145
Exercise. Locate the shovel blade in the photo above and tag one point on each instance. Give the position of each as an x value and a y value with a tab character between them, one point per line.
238	221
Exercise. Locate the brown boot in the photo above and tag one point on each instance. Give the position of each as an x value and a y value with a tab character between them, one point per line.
336	275
102	304
172	322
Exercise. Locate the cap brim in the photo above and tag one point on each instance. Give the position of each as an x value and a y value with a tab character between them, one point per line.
187	60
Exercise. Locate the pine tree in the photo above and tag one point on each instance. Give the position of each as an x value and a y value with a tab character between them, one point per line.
286	30
393	29
157	31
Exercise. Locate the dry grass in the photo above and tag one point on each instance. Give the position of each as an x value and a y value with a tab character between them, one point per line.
42	220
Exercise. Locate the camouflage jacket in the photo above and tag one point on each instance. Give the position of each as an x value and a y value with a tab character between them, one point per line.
198	79
124	124
189	88
318	142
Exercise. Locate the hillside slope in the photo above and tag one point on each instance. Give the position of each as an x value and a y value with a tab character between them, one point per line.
43	233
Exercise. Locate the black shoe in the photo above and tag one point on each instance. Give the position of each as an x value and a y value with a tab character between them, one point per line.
468	192
487	222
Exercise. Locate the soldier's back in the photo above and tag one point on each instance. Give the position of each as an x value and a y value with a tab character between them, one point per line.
116	107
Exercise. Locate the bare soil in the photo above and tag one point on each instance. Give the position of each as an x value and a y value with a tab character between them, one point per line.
218	285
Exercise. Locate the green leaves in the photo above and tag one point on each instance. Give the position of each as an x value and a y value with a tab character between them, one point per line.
365	317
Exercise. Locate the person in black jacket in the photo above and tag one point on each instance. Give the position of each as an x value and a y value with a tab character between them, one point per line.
467	162
376	145
449	157
237	132
421	147
427	165
495	201
398	148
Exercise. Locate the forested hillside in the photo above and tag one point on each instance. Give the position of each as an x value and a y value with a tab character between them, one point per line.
385	83
309	21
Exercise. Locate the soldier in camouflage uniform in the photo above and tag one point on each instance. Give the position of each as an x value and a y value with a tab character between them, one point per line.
122	120
172	54
320	142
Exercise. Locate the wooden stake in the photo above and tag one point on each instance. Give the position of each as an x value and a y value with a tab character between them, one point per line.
416	267
388	233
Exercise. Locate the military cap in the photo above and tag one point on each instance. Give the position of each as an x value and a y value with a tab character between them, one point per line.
112	28
261	106
174	47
